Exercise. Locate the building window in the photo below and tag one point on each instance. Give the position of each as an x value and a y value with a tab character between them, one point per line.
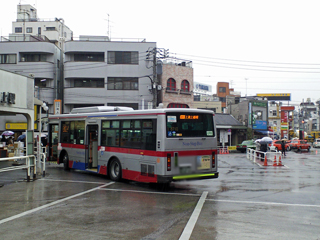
135	106
222	99
50	28
29	29
222	89
89	57
123	83
171	84
119	57
18	30
89	83
40	82
274	113
177	105
185	86
8	58
31	57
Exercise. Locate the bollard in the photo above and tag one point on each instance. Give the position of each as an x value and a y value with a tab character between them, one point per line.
275	161
265	161
280	163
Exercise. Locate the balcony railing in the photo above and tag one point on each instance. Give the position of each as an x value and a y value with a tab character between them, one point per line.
25	38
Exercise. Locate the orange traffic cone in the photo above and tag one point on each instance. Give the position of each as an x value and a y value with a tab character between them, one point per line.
275	161
265	161
280	163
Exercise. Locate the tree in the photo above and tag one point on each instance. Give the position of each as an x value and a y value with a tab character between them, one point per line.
249	133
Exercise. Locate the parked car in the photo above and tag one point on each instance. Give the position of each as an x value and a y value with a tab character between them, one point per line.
245	145
316	143
276	145
300	145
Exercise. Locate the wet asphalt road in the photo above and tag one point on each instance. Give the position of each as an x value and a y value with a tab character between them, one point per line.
247	201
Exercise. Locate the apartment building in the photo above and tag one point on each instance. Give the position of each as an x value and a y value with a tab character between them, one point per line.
176	84
100	72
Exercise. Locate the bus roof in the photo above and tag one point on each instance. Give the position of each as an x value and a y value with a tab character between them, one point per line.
100	109
85	114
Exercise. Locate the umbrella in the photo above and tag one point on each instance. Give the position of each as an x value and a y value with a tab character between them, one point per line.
7	133
266	139
21	137
258	140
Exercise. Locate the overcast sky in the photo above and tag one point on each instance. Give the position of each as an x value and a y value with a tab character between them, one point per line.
258	46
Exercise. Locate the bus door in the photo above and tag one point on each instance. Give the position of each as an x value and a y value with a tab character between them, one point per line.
53	142
92	150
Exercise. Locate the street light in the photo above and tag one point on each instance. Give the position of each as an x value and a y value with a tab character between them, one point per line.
45	108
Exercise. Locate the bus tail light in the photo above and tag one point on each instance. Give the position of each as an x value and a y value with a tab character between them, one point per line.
168	162
213	159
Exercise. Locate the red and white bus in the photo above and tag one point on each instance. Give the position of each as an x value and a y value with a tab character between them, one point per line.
155	146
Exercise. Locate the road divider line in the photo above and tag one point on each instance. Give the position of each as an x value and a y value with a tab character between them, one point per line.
265	203
70	181
148	192
187	231
51	204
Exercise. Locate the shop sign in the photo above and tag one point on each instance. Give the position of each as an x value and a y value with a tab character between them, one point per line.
7	97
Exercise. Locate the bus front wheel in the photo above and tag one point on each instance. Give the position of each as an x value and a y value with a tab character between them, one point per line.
115	170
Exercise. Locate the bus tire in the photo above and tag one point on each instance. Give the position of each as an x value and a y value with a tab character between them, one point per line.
115	170
65	160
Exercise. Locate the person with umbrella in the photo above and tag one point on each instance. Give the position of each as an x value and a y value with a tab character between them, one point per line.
10	141
3	138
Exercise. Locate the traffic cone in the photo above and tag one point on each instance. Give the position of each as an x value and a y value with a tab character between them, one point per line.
265	161
275	161
280	163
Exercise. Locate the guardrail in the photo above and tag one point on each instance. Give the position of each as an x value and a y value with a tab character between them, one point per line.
265	157
27	165
40	163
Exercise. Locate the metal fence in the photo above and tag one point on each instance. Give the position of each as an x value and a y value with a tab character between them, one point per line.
264	158
32	163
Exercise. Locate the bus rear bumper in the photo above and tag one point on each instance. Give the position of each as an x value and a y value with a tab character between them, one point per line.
196	176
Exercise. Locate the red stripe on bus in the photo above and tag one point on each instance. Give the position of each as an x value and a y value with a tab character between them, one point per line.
136	176
158	153
143	152
71	145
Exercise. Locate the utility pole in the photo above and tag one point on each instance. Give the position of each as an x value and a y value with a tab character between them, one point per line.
157	54
155	80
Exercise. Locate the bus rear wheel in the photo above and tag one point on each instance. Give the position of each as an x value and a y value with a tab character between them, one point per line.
115	170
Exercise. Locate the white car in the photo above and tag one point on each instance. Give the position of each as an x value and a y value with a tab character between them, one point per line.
316	143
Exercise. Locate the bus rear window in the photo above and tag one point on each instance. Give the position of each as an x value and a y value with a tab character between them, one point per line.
189	125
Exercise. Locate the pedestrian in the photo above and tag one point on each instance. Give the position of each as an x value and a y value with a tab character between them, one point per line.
3	139
283	147
10	141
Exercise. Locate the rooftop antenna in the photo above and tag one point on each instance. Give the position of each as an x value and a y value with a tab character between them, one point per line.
246	85
108	26
231	82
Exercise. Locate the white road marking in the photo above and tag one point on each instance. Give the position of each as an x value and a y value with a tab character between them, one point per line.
51	204
264	203
148	192
187	231
71	181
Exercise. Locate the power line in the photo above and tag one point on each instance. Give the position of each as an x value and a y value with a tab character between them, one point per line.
236	60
